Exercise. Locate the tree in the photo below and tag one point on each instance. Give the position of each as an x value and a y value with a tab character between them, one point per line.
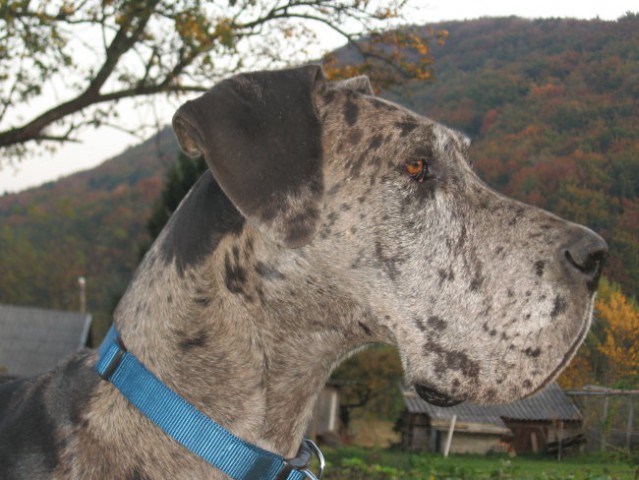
369	380
142	49
621	343
610	355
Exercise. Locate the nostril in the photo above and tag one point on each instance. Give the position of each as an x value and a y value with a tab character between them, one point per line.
590	265
587	254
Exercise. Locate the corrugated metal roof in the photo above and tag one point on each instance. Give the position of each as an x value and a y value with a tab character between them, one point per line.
549	404
32	340
466	412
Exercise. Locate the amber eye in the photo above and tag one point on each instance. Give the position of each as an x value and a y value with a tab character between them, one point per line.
418	169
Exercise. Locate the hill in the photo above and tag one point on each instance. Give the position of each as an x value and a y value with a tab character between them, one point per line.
552	107
89	224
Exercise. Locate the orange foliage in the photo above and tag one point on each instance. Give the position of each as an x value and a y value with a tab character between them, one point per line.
621	343
578	372
389	58
547	91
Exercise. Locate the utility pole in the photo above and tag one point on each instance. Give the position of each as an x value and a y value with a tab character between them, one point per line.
82	282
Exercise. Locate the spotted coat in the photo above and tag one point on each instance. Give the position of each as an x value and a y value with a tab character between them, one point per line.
330	219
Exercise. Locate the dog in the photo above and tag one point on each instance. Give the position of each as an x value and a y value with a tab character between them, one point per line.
330	219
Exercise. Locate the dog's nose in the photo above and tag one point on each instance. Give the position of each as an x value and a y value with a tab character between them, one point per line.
587	254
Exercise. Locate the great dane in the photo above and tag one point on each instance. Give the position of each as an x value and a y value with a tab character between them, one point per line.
330	219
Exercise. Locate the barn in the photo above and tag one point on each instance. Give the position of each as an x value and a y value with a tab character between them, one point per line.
546	422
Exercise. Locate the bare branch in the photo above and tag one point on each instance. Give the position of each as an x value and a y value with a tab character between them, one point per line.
149	48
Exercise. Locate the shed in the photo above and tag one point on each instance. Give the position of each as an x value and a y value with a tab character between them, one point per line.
32	340
530	425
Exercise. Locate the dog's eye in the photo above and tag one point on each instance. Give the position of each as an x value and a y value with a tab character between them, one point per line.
418	169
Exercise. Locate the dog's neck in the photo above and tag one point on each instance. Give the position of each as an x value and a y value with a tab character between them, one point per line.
245	333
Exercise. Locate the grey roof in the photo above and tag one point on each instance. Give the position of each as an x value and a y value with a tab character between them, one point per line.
549	404
32	340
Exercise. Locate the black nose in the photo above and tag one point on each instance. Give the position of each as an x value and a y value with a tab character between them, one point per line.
587	254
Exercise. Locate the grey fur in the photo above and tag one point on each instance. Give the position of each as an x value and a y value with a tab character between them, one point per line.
485	298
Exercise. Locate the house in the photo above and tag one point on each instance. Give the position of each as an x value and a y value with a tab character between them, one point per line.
547	421
325	425
32	340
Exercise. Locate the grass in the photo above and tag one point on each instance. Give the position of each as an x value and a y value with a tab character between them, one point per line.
356	463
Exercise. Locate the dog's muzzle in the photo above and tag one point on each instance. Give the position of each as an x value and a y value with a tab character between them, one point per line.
435	397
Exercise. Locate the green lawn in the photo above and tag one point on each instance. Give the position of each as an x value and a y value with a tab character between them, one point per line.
359	464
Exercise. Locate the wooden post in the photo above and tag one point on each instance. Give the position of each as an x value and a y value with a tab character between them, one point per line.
82	282
631	412
603	422
449	438
559	438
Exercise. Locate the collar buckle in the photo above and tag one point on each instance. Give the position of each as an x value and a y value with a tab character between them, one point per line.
302	462
113	355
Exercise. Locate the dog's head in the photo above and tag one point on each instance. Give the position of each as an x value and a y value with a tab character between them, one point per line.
486	298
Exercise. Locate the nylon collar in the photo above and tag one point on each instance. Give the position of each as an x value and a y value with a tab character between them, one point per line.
192	429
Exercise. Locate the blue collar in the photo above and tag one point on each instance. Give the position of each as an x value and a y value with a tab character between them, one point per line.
191	428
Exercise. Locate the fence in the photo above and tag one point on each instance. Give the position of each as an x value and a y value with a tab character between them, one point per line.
609	417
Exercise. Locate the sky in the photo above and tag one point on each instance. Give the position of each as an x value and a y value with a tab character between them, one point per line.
101	144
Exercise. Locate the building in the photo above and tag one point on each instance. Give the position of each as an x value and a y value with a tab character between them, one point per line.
545	422
32	340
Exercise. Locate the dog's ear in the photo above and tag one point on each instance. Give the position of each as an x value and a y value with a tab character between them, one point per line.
360	84
261	137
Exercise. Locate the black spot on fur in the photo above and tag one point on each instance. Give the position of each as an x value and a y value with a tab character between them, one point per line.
354	136
490	395
437	323
189	341
376	142
298	225
234	275
445	275
332	218
334	190
351	112
329	97
356	165
539	267
452	360
203	300
405	127
532	352
419	323
389	263
559	306
476	283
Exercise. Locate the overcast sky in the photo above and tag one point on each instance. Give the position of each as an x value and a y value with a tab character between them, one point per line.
100	145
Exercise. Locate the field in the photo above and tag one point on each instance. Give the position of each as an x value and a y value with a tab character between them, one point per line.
358	463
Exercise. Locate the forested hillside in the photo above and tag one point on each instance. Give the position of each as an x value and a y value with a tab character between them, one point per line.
552	107
90	224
